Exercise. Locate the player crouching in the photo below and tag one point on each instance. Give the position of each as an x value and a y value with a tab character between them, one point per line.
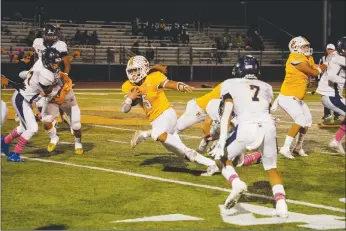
66	101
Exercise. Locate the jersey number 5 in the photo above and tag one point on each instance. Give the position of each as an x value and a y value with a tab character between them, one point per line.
146	102
256	88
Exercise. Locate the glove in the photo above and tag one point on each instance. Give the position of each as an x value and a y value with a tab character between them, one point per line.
47	119
217	152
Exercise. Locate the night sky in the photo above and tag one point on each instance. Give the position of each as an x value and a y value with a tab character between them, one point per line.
297	17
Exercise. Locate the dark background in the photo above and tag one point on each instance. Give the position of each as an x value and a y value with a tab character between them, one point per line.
297	17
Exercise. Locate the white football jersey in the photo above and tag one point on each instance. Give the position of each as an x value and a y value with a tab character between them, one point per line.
39	48
35	80
333	79
251	99
212	109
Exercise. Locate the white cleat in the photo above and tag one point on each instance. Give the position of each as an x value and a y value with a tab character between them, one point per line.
300	152
238	189
281	208
136	139
337	145
286	153
211	170
202	146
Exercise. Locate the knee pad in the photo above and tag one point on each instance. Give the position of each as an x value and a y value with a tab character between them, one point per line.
76	125
300	120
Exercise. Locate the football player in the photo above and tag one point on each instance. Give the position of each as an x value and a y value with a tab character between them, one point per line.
41	81
65	100
299	66
4	112
148	84
331	86
211	129
250	100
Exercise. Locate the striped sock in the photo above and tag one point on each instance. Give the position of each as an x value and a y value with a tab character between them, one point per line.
20	145
14	134
339	134
250	158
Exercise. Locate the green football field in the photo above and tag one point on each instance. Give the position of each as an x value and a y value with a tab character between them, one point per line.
112	186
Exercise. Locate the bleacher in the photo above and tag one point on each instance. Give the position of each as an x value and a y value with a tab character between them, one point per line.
118	36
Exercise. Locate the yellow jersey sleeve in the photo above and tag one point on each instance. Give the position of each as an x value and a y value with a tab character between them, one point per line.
126	87
203	101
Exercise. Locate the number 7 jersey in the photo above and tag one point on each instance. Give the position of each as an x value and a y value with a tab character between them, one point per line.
154	98
251	98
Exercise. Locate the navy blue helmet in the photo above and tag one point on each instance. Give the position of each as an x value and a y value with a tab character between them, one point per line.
50	35
246	67
51	59
341	46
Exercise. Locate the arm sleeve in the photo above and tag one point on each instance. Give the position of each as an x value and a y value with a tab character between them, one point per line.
158	79
126	106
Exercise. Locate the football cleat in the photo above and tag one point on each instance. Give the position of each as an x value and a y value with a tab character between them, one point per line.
14	157
202	146
238	189
212	147
52	144
281	208
327	117
136	139
78	149
4	147
286	153
337	145
211	170
300	152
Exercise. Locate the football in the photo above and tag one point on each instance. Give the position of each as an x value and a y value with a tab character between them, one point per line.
136	101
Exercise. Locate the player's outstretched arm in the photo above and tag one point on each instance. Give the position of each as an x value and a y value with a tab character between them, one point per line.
178	86
130	97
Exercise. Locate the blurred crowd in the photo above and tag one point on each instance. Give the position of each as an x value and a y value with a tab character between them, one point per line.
175	32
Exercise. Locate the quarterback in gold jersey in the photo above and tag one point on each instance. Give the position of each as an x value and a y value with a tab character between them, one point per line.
146	86
299	66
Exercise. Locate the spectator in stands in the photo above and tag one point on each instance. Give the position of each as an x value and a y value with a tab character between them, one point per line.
150	53
85	38
110	55
5	30
78	37
94	39
20	53
257	42
135	48
2	50
135	26
11	54
185	37
161	29
248	42
30	38
39	34
237	41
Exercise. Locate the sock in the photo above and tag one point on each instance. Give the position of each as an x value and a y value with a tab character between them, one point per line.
340	133
20	145
146	134
251	158
278	192
14	134
288	142
300	141
52	133
229	173
204	160
175	141
77	140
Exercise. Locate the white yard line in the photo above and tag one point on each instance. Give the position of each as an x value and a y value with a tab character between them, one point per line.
118	141
181	182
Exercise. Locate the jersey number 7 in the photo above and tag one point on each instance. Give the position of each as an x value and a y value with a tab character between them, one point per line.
257	89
